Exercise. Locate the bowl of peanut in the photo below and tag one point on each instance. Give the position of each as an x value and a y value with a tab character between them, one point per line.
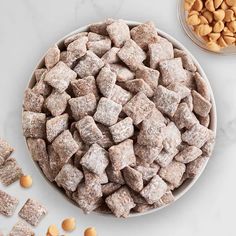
120	118
211	24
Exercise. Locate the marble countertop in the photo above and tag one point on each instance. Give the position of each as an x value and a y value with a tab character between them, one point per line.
28	28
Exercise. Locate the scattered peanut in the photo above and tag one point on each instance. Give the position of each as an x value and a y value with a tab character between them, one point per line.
90	232
69	224
26	181
219	15
53	230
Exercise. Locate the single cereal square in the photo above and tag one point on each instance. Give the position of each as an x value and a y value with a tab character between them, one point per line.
132	55
147	171
122	155
83	106
74	37
1	160
138	108
5	149
56	125
107	112
188	154
77	48
88	130
42	88
21	229
60	76
32	101
52	57
172	71
65	145
95	159
10	172
40	73
165	157
144	34
119	32
101	27
109	188
82	87
123	73
69	177
179	88
202	87
166	199
8	204
110	56
184	117
56	102
159	51
194	168
201	106
205	121
173	173
187	60
114	176
55	164
197	135
89	64
34	124
32	212
155	189
120	202
120	95
166	100
106	141
189	101
122	130
133	178
106	80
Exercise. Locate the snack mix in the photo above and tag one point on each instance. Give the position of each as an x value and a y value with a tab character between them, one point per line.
118	119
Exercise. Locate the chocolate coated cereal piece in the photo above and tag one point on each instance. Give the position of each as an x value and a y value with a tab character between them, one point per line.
74	37
189	101
52	57
205	121
40	74
5	149
21	229
147	154
109	188
101	27
166	199
179	88
8	204
94	179
88	130
140	208
55	163
166	100
139	85
120	95
32	212
106	141
173	173
184	117
34	124
144	34
197	135
133	178
150	76
60	76
67	58
194	168
110	56
77	48
69	177
165	157
95	159
155	189
114	175
99	45
1	160
201	106
132	55
122	155
107	112
138	108
120	202
122	130
172	71
187	60
202	86
65	145
89	64
159	51
119	32
189	154
83	106
106	80
56	125
82	87
208	147
147	171
42	88
56	102
123	73
32	102
189	82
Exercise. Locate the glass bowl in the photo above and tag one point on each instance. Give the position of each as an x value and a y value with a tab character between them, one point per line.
182	15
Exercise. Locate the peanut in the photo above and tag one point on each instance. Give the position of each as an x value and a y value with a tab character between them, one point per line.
193	13
53	230
219	15
90	232
214	36
203	29
229	39
231	3
217	3
227	32
234	10
188	4
232	26
193	20
26	181
218	27
68	224
229	15
224	6
209	4
222	42
208	15
203	20
198	5
213	46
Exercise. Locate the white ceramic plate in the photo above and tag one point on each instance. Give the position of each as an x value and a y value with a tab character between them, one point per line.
213	115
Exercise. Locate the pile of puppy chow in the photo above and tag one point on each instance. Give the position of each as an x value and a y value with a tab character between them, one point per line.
118	118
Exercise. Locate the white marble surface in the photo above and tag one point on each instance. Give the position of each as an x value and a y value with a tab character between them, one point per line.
28	28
